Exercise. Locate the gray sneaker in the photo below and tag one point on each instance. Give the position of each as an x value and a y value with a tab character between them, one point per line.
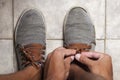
79	32
30	39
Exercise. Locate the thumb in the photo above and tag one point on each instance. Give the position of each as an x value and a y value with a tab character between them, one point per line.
67	62
84	59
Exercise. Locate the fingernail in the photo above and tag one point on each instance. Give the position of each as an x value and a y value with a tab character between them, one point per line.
77	56
72	57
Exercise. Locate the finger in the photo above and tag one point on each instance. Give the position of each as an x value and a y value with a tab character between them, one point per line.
59	48
67	61
69	52
83	59
63	53
48	59
49	55
92	54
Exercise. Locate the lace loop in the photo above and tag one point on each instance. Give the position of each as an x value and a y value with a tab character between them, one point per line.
32	54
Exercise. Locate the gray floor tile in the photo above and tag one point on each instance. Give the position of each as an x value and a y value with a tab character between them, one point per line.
99	46
113	19
53	44
113	48
6	57
6	23
96	9
54	13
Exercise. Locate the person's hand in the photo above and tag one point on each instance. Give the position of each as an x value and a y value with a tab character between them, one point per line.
57	66
102	66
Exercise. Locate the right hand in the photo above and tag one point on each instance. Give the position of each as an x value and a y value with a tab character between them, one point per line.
102	66
57	66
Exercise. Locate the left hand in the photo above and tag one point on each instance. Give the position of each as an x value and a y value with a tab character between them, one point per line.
57	66
102	66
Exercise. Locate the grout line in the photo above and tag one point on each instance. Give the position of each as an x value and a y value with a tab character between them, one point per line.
14	61
12	19
62	39
13	14
6	38
100	39
59	39
96	39
113	39
105	26
55	39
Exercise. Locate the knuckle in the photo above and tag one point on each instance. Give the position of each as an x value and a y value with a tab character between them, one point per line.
82	59
108	56
56	52
49	55
59	48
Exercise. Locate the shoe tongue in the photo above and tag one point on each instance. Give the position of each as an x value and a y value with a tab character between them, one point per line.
34	51
35	45
80	47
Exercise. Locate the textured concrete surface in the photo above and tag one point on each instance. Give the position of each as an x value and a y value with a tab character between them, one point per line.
6	24
7	56
113	19
104	14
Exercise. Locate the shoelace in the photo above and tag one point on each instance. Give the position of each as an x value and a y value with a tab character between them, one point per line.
32	56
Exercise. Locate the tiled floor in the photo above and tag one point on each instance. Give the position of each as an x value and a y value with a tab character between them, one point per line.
104	13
